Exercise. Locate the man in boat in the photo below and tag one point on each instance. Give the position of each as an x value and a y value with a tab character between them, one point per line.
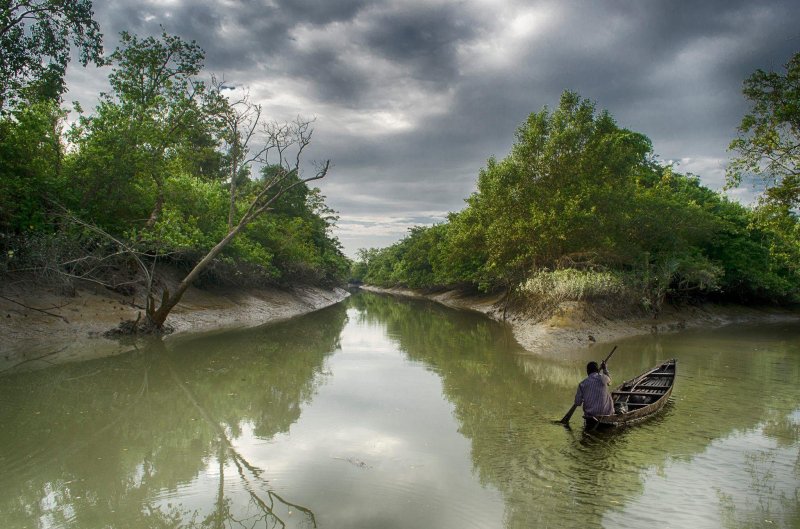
593	391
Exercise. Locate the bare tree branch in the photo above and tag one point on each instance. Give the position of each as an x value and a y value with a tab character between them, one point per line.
239	460
34	308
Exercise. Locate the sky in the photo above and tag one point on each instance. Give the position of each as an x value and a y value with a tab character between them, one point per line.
410	98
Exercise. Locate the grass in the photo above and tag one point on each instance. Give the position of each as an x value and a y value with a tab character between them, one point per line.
609	292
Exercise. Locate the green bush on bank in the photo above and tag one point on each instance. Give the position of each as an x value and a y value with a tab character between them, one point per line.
545	291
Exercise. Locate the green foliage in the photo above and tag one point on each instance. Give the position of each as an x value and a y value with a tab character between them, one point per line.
564	189
148	166
580	208
35	38
30	163
189	220
141	131
769	135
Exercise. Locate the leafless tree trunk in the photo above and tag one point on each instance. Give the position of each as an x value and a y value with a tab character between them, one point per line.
242	120
286	143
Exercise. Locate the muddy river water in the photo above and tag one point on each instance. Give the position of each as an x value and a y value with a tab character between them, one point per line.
388	413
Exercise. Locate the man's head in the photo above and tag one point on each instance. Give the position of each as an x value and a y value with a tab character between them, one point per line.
592	367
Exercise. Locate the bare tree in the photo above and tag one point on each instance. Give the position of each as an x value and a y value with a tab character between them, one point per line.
241	121
283	150
285	144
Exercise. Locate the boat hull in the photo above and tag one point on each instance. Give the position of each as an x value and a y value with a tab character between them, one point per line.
654	385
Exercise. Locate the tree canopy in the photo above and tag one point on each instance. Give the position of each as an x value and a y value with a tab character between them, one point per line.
36	38
577	191
768	144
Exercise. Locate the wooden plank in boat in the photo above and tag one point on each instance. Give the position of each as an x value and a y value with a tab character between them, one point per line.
650	394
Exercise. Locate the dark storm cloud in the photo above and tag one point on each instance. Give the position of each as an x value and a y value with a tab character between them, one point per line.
321	12
420	42
234	35
424	39
331	77
413	96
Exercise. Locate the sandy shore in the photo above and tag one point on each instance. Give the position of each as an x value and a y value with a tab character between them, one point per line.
70	328
574	326
39	326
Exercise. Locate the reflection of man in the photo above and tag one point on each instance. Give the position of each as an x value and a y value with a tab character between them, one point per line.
593	392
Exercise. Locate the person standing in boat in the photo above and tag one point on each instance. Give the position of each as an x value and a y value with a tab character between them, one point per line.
593	391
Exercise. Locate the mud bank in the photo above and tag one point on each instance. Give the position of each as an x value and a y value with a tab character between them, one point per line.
39	326
575	325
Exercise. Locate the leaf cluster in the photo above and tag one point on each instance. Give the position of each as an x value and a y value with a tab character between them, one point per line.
768	143
35	45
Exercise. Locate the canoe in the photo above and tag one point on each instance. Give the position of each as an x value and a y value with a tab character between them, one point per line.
639	398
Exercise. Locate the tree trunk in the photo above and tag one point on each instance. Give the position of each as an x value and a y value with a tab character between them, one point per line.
232	210
157	209
234	174
158	316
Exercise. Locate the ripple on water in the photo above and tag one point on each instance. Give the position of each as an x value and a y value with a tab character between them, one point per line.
745	479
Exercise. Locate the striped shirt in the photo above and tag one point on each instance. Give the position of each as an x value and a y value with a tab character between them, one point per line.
594	395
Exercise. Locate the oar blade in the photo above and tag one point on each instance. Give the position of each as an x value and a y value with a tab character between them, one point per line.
568	416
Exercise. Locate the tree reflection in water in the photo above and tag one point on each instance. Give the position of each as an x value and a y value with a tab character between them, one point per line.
111	442
266	502
505	403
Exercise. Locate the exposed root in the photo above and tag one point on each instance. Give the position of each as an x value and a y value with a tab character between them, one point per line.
138	327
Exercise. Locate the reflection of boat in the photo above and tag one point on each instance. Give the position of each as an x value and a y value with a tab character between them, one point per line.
639	398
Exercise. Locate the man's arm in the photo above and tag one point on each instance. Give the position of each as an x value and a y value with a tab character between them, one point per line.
606	374
579	396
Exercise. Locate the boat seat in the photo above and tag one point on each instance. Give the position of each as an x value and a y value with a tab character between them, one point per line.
645	393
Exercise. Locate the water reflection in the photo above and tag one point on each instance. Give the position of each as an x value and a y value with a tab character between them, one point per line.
756	487
384	412
730	381
91	443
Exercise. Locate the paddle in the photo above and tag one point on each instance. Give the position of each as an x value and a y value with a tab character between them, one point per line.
568	416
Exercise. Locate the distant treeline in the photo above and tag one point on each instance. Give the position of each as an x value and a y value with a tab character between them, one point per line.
165	165
582	209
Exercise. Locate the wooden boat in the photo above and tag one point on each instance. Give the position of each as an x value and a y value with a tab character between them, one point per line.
639	398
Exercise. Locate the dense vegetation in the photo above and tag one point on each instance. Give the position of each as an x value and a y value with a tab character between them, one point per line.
162	169
581	209
172	168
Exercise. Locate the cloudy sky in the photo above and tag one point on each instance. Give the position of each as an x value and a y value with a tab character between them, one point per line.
412	96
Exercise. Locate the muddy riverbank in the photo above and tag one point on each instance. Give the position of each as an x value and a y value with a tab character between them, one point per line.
40	325
574	324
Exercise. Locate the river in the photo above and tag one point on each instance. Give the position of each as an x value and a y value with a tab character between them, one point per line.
382	412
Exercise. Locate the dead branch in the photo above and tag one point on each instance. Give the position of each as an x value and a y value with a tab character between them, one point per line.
239	460
43	311
96	229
